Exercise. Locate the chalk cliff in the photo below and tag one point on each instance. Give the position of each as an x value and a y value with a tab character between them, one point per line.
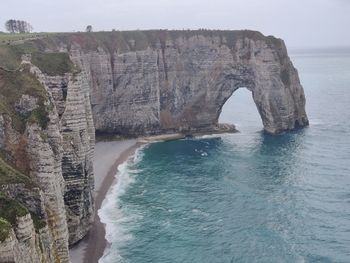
57	91
46	162
169	81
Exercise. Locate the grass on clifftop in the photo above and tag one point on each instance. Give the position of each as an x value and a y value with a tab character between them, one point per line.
6	38
133	40
9	58
15	84
12	46
10	55
52	64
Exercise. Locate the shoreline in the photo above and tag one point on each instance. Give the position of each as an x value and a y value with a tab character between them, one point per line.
91	248
106	161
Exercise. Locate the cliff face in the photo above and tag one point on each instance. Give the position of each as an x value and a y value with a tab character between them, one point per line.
71	99
176	81
47	141
24	244
55	92
31	143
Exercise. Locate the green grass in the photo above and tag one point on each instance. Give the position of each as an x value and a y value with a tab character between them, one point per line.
9	58
9	175
53	64
10	55
122	40
12	86
8	37
38	222
10	209
133	40
5	228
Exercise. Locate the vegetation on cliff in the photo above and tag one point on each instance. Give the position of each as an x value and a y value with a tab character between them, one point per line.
51	63
47	57
9	175
15	84
124	41
55	63
5	228
10	209
8	38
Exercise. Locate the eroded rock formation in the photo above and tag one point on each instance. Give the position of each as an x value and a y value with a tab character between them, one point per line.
125	83
179	82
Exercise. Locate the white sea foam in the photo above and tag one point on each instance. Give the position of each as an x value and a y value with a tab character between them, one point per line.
208	136
315	122
113	215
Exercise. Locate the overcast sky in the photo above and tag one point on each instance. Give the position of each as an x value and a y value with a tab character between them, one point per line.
301	23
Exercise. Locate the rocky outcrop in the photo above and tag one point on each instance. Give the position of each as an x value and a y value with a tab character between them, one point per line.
45	167
29	238
25	245
71	98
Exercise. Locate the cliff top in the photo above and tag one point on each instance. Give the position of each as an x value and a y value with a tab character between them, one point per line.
149	35
12	46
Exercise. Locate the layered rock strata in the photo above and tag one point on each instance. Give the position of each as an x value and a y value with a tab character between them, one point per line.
71	98
180	82
57	159
25	245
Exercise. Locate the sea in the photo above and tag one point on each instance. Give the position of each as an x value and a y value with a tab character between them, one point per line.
244	197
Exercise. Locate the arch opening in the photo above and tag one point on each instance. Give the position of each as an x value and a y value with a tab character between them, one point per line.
240	110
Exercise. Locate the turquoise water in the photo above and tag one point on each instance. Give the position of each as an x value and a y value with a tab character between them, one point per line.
246	197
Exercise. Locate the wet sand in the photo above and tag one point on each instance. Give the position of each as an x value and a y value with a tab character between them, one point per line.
108	156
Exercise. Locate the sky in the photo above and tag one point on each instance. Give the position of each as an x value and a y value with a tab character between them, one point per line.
301	23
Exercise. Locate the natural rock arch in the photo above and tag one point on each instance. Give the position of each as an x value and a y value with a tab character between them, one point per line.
239	109
179	81
275	88
238	99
